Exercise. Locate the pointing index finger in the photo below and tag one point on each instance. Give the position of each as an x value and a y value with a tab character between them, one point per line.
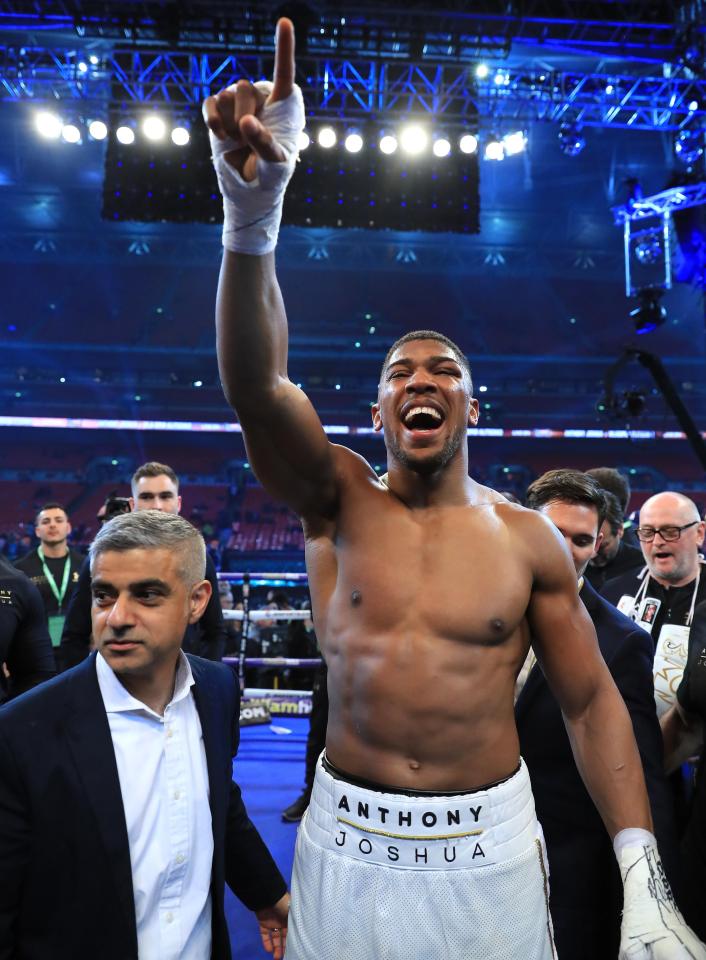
284	61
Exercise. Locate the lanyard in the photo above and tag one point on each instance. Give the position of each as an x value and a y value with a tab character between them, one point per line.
59	594
642	593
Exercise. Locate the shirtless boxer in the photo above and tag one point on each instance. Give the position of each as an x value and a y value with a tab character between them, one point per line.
420	840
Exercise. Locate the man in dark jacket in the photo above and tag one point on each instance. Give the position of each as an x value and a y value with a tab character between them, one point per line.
614	556
585	889
119	819
26	656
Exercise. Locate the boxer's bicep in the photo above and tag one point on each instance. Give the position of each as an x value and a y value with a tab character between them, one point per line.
563	635
289	452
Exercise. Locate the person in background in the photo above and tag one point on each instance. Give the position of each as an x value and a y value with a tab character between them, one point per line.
26	655
614	556
617	483
54	568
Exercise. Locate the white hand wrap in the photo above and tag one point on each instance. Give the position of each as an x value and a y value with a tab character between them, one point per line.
252	211
652	927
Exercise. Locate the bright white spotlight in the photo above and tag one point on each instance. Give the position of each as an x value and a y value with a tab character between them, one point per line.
442	147
125	135
71	133
303	140
353	142
494	150
388	143
514	143
482	71
180	136
327	137
97	130
48	125
468	143
94	60
413	139
154	128
82	66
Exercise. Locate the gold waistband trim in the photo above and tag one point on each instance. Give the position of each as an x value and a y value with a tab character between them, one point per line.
406	836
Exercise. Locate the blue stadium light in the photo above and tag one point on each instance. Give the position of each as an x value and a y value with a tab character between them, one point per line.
97	130
125	135
353	142
494	149
414	139
70	133
468	143
327	137
514	143
441	147
48	125
388	143
154	127
180	136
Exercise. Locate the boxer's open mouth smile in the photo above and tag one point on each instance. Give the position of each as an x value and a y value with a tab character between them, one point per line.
423	418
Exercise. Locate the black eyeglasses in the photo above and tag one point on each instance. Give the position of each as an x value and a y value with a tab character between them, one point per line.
647	534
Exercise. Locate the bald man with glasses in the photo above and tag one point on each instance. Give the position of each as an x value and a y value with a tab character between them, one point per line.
661	597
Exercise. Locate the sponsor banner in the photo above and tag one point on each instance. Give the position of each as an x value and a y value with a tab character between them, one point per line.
254	710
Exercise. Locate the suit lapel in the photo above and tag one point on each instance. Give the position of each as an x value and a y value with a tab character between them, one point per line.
206	697
90	742
536	680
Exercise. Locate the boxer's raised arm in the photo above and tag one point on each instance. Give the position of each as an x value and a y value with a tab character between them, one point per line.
285	441
254	131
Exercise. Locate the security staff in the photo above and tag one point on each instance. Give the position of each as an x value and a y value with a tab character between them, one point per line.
26	657
54	567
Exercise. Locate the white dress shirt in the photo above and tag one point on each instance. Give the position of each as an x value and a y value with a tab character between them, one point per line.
164	785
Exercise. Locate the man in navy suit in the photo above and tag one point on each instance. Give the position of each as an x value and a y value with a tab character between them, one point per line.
586	897
119	819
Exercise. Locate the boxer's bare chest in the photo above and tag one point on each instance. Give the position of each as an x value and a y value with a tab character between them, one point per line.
449	571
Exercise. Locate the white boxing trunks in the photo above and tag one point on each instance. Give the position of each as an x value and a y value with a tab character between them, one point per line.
396	876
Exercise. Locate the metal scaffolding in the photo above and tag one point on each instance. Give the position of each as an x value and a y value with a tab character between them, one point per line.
354	89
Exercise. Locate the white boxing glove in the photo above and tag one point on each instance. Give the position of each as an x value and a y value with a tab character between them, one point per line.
652	927
252	211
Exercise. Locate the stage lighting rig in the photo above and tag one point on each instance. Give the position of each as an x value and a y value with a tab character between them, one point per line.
689	146
649	313
647	246
571	140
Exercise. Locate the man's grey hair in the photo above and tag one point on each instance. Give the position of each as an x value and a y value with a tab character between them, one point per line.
154	530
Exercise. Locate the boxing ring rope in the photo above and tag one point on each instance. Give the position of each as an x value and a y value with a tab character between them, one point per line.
247	616
256	615
245	577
